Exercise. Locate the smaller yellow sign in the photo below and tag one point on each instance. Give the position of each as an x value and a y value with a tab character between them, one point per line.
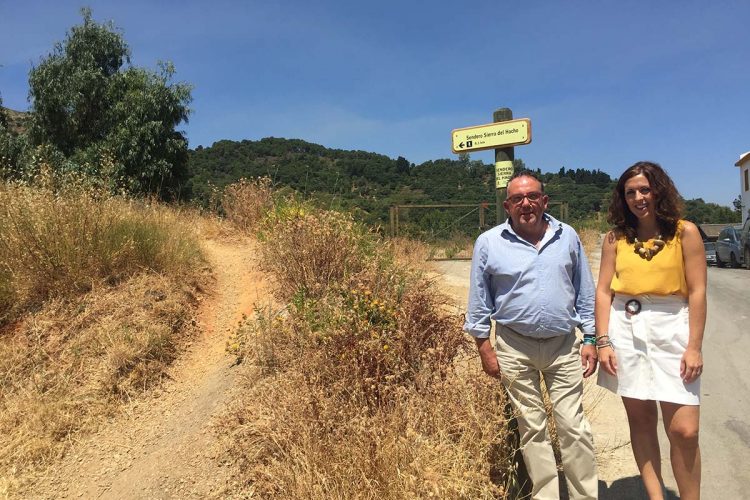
503	173
492	135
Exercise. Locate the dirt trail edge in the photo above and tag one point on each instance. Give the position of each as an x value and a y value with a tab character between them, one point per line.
163	446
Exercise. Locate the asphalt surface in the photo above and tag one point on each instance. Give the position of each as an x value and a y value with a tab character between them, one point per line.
725	404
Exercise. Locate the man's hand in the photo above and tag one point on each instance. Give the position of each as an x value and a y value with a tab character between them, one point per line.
588	360
488	357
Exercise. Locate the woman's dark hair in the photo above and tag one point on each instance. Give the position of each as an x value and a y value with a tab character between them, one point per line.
668	202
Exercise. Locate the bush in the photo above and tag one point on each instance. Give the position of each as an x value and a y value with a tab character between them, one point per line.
309	251
246	202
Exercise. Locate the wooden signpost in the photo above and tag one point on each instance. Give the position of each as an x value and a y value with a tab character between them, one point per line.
501	135
492	135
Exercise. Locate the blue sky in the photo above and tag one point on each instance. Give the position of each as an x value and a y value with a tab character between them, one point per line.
605	83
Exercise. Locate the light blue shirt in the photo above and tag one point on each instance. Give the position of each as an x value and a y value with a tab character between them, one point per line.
540	293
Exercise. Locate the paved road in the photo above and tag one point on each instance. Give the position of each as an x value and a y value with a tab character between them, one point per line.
725	411
725	404
725	407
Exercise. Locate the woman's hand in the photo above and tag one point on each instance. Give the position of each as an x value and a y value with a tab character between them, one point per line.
691	365
608	360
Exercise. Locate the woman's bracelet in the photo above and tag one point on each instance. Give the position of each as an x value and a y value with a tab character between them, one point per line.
603	341
589	339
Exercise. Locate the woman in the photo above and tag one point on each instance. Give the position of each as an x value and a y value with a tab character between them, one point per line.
650	315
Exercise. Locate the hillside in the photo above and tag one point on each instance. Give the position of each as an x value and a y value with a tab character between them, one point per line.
17	120
368	183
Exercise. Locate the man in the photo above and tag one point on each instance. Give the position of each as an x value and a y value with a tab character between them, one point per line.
531	276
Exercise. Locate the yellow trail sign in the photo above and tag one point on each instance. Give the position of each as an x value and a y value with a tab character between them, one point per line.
492	135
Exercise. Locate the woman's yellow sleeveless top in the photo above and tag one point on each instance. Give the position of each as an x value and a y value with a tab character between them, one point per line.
664	274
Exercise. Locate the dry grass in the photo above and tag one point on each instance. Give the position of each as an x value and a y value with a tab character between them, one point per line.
309	251
460	247
59	243
352	388
73	362
98	294
590	239
246	202
410	253
291	439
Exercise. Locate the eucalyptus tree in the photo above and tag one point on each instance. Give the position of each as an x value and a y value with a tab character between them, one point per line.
107	117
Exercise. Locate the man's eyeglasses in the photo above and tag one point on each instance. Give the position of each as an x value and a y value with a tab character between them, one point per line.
533	197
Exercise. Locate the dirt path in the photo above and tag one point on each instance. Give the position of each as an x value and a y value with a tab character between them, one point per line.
164	446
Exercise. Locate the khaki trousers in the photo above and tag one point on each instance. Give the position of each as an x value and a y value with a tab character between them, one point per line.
522	359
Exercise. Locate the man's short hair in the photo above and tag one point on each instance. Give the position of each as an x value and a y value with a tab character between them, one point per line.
527	173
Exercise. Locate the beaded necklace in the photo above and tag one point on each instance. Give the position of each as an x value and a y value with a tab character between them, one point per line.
648	253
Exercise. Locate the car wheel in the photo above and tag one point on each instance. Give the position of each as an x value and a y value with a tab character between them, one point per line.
733	260
719	262
747	258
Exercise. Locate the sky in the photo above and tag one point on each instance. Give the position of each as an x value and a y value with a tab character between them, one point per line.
604	83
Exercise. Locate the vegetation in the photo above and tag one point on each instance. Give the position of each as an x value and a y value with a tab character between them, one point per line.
96	295
358	387
96	289
700	212
88	110
367	184
12	141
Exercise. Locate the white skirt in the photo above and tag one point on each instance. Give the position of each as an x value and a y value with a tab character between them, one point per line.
648	347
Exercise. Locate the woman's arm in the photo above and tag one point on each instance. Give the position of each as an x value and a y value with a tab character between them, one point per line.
607	358
694	257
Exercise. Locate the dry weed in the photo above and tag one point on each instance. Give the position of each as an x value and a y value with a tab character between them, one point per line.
291	439
410	253
352	389
58	243
246	202
310	251
66	366
96	293
590	240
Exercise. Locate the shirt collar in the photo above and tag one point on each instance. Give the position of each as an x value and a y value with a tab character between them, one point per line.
553	223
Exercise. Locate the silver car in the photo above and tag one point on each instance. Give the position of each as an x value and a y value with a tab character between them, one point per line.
710	249
728	247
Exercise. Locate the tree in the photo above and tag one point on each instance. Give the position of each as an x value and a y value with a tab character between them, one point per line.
464	158
12	147
402	165
737	204
3	117
88	106
700	212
